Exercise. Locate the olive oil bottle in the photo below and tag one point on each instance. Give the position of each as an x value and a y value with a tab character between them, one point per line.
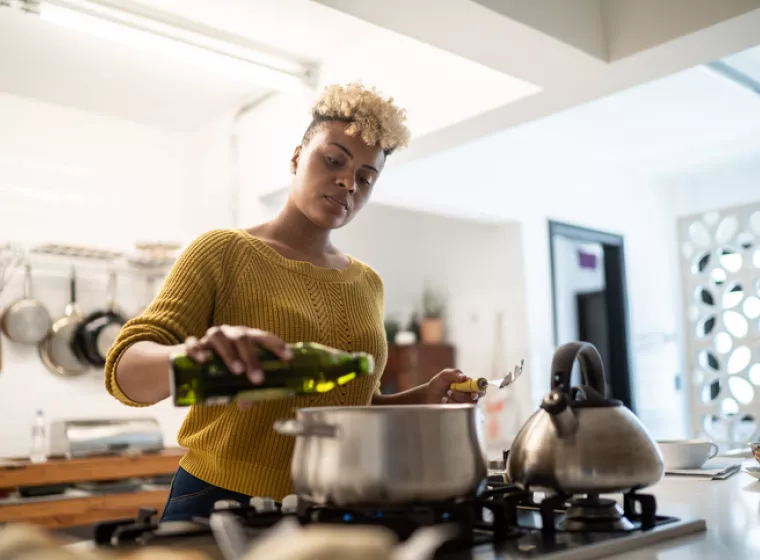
313	368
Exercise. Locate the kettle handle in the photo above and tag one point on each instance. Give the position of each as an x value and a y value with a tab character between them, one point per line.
592	368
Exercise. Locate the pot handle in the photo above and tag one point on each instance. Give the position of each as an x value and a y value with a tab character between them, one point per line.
592	368
297	428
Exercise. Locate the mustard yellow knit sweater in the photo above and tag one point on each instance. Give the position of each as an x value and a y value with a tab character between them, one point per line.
230	277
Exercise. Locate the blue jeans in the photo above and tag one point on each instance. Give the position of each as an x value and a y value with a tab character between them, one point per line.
190	497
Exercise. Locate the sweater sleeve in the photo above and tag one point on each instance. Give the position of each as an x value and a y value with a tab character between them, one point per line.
184	306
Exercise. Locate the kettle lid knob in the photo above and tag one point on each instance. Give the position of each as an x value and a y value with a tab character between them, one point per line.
557	404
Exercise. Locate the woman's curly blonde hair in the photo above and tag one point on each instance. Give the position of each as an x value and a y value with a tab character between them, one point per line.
377	120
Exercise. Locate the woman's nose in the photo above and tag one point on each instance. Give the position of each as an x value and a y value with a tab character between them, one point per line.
348	184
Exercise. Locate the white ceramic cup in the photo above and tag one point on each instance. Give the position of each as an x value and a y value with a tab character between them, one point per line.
686	453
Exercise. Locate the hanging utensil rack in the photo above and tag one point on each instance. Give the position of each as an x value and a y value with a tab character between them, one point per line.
152	259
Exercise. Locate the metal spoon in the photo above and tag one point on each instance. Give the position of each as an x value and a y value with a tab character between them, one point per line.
481	383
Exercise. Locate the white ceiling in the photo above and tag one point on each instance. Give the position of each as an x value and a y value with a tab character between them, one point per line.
473	70
690	122
747	62
438	88
56	65
575	51
60	66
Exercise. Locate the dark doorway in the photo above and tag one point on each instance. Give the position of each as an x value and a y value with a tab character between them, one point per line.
589	298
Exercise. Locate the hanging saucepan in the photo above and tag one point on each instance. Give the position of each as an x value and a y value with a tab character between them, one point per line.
55	348
26	320
97	332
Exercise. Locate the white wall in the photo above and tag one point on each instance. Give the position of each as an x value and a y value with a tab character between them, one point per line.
75	173
731	183
75	177
267	135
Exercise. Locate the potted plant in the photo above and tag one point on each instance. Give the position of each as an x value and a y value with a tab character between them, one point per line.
392	328
431	325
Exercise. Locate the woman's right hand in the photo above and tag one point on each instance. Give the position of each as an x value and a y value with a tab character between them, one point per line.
236	346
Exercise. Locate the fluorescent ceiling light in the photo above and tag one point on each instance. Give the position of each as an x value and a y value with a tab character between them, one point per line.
186	46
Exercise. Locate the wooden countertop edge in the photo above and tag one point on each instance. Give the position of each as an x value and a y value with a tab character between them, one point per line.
62	471
73	511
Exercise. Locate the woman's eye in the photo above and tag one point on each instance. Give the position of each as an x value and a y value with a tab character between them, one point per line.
332	161
365	181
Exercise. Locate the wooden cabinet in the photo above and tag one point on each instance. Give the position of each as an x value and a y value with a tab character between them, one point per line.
412	365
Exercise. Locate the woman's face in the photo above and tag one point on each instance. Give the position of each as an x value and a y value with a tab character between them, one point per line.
334	175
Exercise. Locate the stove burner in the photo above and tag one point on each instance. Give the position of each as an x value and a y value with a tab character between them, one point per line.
468	517
593	514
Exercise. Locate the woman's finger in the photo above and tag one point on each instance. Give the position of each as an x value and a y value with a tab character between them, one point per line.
194	349
217	340
246	349
273	343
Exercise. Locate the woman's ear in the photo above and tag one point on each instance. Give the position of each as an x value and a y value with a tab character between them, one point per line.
294	160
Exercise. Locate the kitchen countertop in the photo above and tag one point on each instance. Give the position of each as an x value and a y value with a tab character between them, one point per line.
730	507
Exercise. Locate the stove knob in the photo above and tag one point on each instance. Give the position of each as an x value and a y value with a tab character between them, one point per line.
225	504
290	504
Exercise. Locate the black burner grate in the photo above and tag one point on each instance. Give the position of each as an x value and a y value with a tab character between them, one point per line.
501	515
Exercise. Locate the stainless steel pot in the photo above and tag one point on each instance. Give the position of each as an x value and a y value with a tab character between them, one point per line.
384	455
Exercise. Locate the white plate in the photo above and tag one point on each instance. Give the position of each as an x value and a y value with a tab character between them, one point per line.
753	472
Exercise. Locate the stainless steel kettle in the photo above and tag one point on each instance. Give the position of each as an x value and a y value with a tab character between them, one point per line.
579	441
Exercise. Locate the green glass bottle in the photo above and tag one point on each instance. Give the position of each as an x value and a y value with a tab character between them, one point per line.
314	368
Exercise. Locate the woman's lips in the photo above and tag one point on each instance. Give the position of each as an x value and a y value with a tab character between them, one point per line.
336	202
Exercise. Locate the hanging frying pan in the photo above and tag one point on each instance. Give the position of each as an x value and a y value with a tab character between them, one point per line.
97	332
27	320
10	257
56	349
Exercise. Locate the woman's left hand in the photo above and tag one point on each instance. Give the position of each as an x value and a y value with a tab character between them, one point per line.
438	390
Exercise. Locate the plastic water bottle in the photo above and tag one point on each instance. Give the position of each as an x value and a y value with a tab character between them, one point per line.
38	452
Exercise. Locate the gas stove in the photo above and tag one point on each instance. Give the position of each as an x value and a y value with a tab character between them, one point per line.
504	521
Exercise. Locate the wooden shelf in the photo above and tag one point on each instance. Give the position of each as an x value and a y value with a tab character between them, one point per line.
68	510
90	469
73	512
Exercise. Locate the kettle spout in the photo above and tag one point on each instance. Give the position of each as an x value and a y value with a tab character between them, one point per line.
557	404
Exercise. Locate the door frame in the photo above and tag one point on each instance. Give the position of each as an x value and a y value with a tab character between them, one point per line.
618	316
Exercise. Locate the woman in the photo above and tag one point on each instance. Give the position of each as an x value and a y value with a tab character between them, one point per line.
278	282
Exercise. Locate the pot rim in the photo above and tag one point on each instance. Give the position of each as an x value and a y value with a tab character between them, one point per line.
389	407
